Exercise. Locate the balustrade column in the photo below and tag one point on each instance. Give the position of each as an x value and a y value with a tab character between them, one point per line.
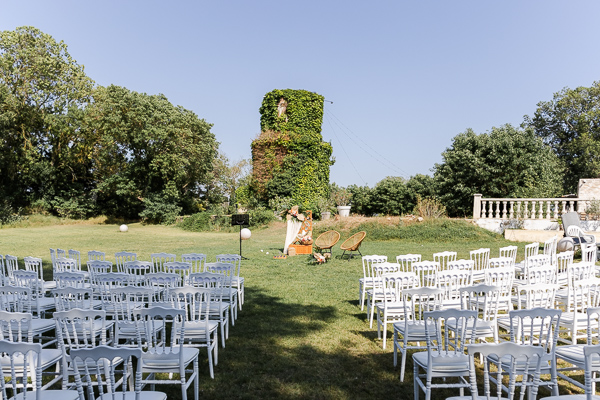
512	209
555	209
497	213
541	210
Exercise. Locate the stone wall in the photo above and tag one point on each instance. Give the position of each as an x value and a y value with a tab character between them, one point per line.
588	189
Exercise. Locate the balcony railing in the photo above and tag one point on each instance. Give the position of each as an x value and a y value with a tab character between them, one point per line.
540	209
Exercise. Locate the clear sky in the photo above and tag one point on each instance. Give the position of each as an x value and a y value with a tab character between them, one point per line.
404	77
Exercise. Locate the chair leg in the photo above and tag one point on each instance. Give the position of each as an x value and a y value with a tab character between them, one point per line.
416	387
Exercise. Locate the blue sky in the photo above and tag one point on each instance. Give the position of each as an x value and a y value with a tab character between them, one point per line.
404	77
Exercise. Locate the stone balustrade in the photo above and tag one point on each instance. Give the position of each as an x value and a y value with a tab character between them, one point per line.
526	209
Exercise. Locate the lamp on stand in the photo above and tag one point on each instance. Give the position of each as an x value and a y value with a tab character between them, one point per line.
242	220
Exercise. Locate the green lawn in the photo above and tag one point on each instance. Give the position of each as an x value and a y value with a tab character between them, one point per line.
301	333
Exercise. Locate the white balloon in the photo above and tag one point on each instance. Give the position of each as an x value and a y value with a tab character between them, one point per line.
123	228
245	233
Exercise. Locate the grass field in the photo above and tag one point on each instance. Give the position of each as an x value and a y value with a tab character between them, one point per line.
301	333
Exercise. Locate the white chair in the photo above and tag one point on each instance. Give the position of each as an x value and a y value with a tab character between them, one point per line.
166	356
108	368
237	281
37	303
406	260
450	282
411	328
11	264
445	356
95	255
510	252
74	279
122	257
589	252
229	294
76	255
563	260
181	268
426	270
484	300
376	294
582	296
504	278
64	264
537	327
550	248
76	329
462	265
200	330
20	327
366	282
104	283
159	260
219	310
137	270
522	366
197	260
481	258
2	272
391	308
121	304
68	298
21	359
576	359
35	264
96	267
444	258
162	283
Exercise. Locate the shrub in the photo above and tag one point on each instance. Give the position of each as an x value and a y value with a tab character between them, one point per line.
160	209
429	208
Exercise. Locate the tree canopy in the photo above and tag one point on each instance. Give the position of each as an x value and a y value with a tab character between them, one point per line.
506	162
570	124
75	149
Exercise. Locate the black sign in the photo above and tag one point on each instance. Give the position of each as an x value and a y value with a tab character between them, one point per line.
240	219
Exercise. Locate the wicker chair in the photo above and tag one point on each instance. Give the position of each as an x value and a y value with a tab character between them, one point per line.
326	241
352	244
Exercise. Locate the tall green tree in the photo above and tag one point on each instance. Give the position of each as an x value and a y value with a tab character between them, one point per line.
389	196
506	162
145	147
570	124
42	89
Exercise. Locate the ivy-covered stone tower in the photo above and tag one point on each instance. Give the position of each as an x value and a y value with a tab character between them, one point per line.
289	157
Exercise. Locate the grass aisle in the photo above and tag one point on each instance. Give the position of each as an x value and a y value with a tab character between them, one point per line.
301	333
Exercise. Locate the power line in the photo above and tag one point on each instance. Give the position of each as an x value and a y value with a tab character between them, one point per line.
365	146
344	150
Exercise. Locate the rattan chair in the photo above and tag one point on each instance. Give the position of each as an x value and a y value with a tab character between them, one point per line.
352	244
326	241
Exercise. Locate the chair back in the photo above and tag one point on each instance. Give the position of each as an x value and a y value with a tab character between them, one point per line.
64	264
448	332
75	255
34	264
426	270
368	262
406	261
509	251
68	298
444	257
16	326
95	255
69	279
521	361
196	259
481	259
536	295
563	260
159	260
24	361
180	268
122	257
451	281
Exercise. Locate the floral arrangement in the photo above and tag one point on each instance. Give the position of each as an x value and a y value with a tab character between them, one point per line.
294	214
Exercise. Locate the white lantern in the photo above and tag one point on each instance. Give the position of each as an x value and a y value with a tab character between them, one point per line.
245	233
123	228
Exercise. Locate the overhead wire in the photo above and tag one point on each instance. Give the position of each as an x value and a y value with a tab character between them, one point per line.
373	153
344	150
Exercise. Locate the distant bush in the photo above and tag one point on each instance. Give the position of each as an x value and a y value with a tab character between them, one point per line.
432	230
207	221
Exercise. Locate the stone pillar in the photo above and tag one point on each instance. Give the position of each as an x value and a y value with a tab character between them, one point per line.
476	206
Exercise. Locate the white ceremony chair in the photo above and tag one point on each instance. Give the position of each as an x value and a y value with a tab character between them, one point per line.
391	309
137	270
3	280
76	329
532	296
75	279
181	268
166	356
35	264
589	252
159	260
219	310
426	270
25	363
484	300
122	257
76	255
104	283
510	252
522	366
537	327
197	260
481	259
229	294
450	282
108	368
64	264
162	283
411	328
95	255
587	360
445	356
96	267
237	281
550	248
366	282
68	298
20	327
36	303
19	299
563	260
462	265
582	296
120	305
11	264
444	257
504	278
376	294
200	330
406	260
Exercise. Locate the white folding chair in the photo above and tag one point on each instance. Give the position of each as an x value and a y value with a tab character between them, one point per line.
366	282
